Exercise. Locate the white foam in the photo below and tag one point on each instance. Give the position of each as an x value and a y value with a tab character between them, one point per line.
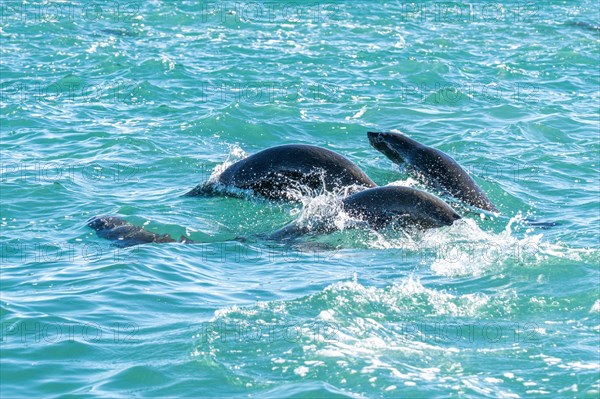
302	371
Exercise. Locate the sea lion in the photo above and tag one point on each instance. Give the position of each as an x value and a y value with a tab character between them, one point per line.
124	234
275	172
381	207
406	206
436	167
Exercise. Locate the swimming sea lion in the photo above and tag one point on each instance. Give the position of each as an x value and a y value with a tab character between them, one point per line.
124	234
381	207
438	168
271	173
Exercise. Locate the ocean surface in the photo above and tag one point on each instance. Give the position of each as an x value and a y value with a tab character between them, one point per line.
120	107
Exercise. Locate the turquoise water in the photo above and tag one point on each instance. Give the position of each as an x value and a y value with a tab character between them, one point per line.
121	107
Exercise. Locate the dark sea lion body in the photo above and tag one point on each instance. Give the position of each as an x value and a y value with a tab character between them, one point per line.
407	206
438	168
273	172
381	207
124	234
